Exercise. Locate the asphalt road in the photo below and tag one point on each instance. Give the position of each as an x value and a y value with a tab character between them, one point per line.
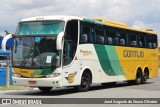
121	90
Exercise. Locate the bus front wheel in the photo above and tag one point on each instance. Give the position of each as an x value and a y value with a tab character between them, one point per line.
45	89
138	79
85	82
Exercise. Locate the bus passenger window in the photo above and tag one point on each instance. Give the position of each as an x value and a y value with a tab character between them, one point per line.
99	39
91	38
154	45
133	43
152	41
132	39
122	42
111	35
110	40
122	39
116	41
140	44
84	38
141	40
149	45
88	30
99	34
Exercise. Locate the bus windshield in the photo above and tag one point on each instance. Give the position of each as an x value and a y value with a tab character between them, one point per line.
40	28
35	52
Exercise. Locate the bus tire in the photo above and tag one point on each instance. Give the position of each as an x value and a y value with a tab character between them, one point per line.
138	79
85	82
45	89
144	78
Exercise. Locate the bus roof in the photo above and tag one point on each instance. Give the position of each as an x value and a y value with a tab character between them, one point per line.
54	17
123	25
101	21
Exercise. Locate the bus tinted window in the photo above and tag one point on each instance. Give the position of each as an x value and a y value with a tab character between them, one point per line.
111	36
132	39
151	41
40	28
87	33
123	39
141	40
99	34
100	39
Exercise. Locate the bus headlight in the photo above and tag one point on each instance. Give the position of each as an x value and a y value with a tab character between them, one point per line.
53	75
16	75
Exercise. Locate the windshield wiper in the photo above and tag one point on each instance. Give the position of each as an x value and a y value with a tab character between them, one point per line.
39	55
27	55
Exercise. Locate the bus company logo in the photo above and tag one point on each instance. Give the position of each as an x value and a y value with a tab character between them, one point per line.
6	101
133	54
70	77
24	71
86	53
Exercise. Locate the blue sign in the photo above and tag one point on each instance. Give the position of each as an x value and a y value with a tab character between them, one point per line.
37	39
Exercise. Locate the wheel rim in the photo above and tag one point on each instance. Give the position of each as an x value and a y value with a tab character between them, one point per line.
85	81
139	78
145	76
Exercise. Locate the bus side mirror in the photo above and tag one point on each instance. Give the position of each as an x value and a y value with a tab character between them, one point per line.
4	41
59	42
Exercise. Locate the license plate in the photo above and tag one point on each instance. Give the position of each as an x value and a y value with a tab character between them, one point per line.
32	82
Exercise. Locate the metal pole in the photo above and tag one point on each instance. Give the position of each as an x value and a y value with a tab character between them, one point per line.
7	76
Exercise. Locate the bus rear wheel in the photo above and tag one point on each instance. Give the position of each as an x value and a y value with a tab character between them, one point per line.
144	78
85	82
45	89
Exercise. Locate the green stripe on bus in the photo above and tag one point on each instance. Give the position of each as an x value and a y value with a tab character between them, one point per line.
114	60
93	21
45	71
109	60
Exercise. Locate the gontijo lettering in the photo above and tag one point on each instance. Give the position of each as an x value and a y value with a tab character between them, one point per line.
132	53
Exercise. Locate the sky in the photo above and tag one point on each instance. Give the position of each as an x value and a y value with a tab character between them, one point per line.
144	14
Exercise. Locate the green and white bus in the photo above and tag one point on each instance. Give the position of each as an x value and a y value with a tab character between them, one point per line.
58	51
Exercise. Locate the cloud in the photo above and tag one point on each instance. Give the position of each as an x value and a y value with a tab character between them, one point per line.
132	12
2	34
142	25
139	24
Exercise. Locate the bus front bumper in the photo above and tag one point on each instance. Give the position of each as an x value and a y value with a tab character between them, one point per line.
36	82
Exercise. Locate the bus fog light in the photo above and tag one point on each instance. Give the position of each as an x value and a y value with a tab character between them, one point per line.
53	75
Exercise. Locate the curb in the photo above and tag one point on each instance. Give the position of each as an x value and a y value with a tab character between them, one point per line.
18	90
